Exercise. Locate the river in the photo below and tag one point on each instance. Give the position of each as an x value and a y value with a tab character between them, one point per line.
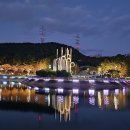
23	108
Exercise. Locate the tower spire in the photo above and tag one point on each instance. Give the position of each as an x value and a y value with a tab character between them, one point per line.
57	53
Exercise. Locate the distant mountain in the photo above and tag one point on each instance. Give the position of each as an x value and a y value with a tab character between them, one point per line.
19	53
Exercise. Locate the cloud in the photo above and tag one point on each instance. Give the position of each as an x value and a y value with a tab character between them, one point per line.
59	17
70	20
120	25
15	12
11	1
53	14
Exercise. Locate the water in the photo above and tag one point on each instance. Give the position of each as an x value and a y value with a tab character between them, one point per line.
22	108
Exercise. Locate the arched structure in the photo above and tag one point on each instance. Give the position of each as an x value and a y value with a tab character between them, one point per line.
64	61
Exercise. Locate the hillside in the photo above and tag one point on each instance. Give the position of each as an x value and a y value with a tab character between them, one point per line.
19	53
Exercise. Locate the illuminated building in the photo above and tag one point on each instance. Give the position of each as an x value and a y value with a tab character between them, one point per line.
64	61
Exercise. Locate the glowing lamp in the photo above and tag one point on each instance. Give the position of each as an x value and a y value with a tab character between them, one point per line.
4	83
91	92
47	90
36	88
106	81
29	87
60	90
12	83
19	83
75	91
46	80
91	81
116	91
60	80
5	77
75	80
106	92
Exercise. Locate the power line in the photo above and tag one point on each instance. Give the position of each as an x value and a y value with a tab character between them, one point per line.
77	38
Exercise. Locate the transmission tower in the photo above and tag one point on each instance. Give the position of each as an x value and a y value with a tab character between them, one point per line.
42	34
77	41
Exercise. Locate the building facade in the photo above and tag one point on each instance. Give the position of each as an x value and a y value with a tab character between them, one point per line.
63	61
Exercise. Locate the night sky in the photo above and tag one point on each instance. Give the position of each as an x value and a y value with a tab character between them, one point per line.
103	25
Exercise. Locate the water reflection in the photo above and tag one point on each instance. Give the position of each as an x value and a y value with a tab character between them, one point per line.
64	105
114	100
92	100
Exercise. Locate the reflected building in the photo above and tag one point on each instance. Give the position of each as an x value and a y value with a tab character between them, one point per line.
62	105
92	100
75	103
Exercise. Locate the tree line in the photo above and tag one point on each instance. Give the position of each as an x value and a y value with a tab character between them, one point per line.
33	53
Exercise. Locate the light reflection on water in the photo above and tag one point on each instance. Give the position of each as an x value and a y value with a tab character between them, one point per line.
66	106
115	99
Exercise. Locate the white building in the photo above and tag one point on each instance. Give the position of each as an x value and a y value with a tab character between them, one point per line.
64	60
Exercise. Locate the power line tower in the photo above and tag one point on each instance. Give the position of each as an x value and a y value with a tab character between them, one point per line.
42	34
77	41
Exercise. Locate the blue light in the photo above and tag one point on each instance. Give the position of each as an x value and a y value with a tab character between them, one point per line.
60	90
47	79
75	80
5	77
60	80
106	92
106	81
4	83
75	91
91	81
47	90
116	91
91	92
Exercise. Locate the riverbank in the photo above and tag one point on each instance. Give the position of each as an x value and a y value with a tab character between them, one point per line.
79	84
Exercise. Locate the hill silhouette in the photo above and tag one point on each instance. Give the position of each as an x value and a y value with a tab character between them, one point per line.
19	53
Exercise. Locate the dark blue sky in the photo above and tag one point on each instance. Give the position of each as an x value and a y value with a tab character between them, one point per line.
102	24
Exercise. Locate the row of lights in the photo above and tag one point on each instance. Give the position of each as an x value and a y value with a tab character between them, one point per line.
91	81
12	77
12	83
59	90
62	80
75	91
91	92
